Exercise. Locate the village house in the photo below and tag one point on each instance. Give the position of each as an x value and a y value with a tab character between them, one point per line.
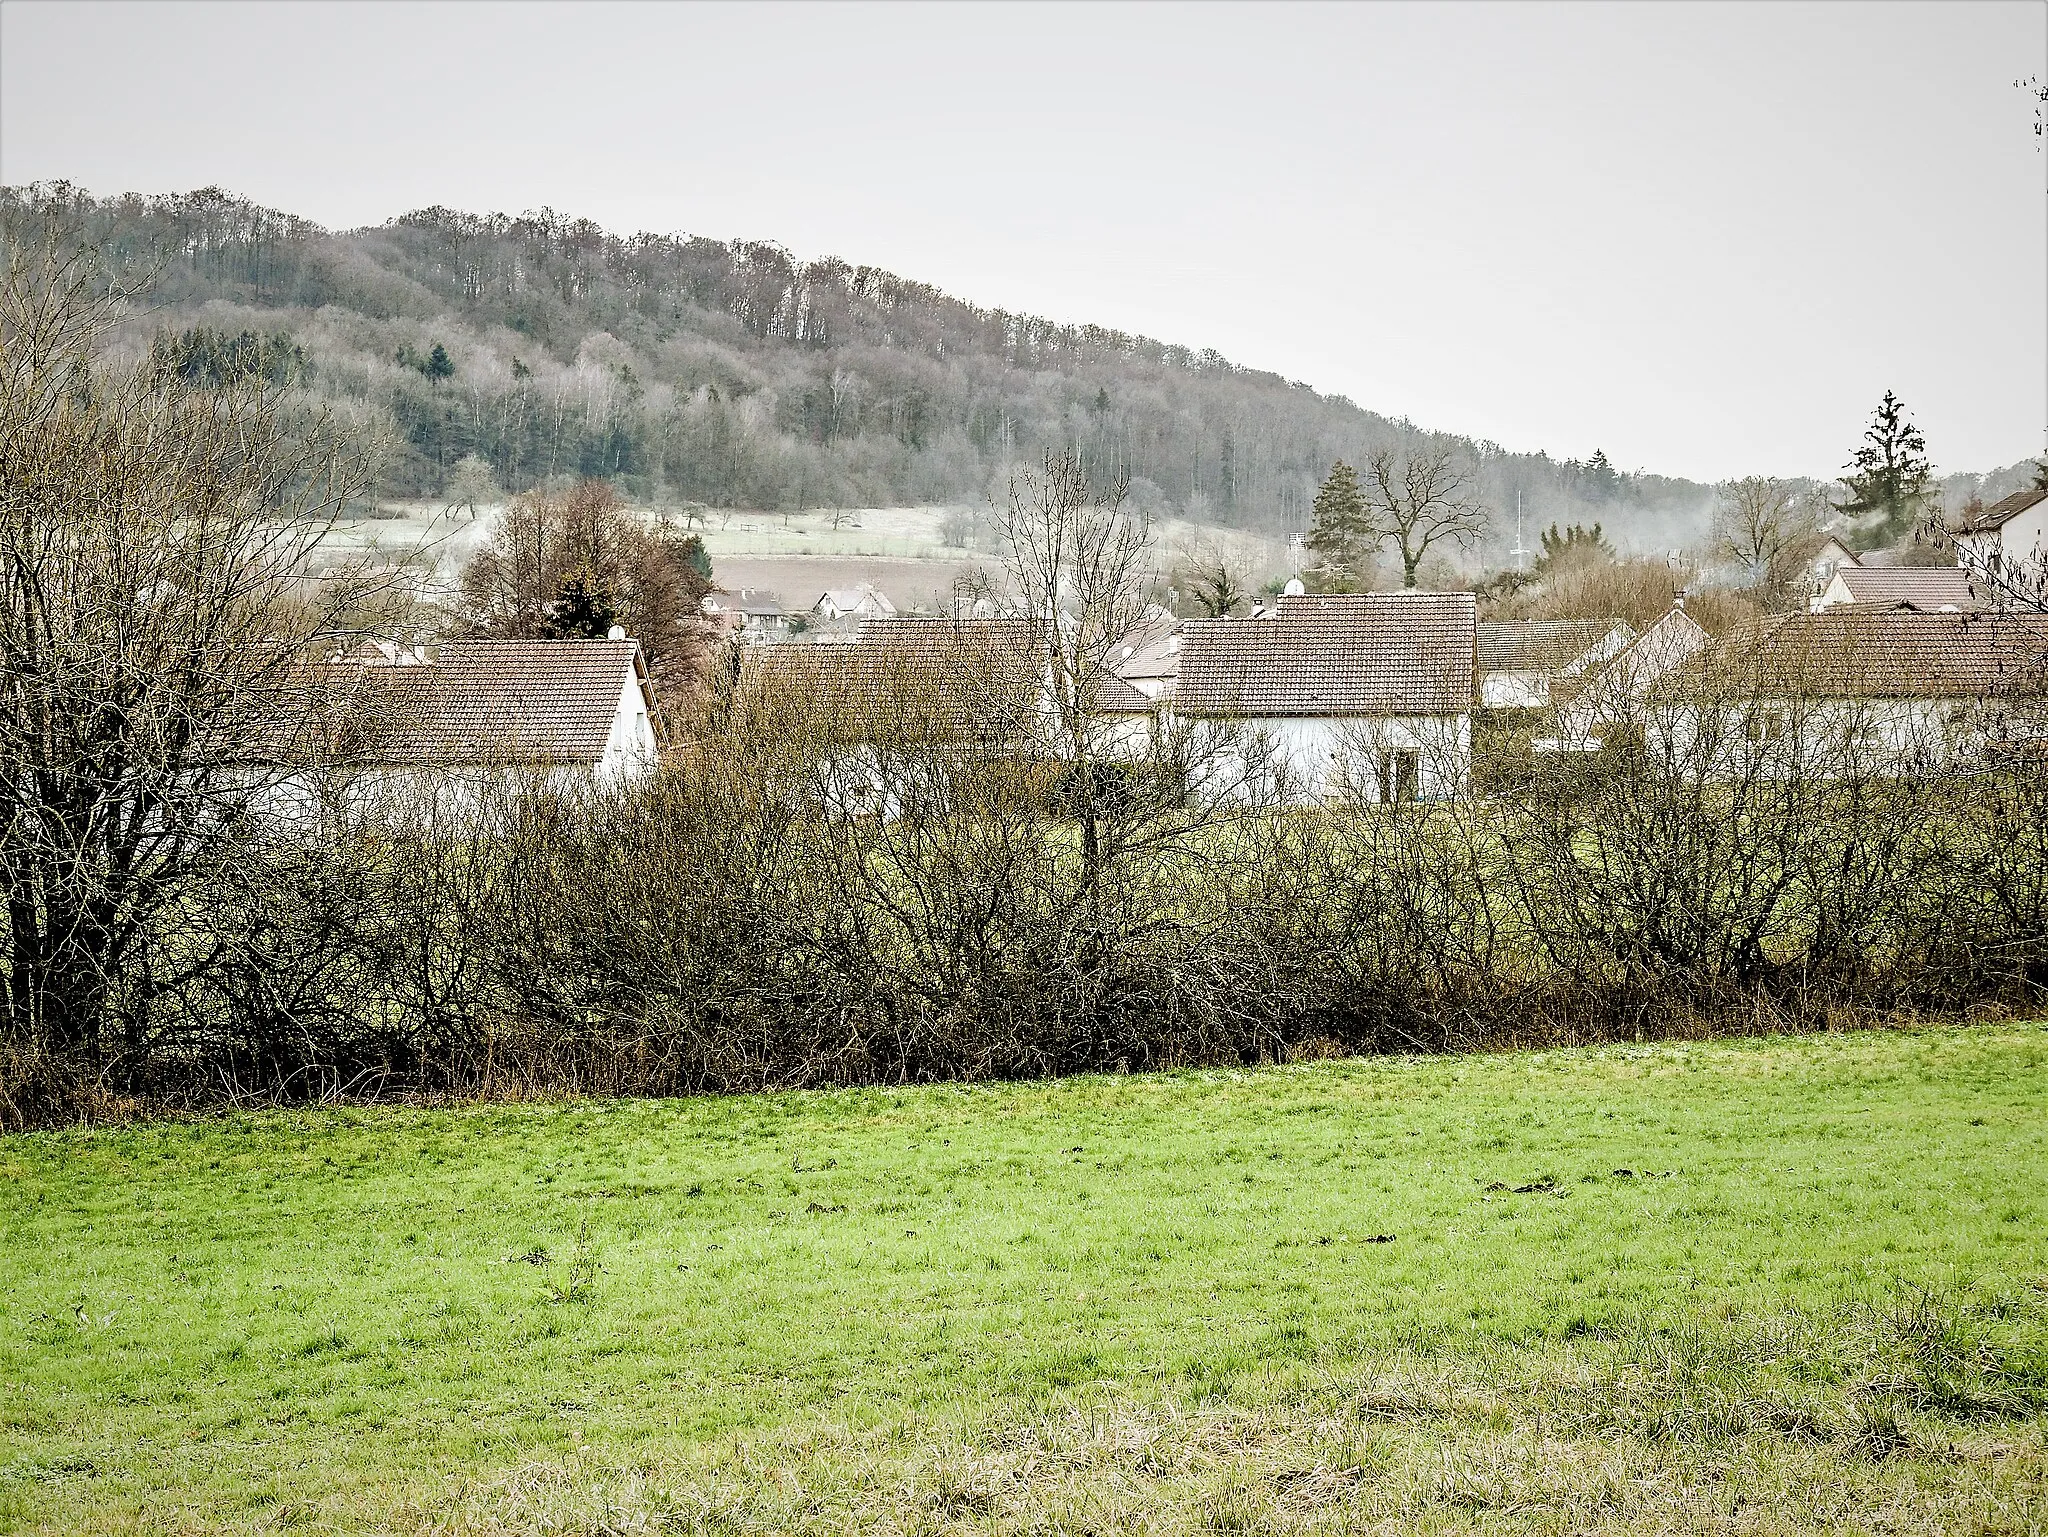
2008	539
1520	659
862	602
1865	690
1148	658
752	613
1928	588
446	721
1611	698
1359	696
1821	566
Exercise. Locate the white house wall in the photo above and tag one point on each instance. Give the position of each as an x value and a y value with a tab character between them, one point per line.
629	748
1515	690
2020	544
1828	738
1336	757
2026	536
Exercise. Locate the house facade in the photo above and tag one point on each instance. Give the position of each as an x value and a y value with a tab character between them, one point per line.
1613	697
1520	659
860	603
1364	697
1831	557
752	613
1863	690
2008	541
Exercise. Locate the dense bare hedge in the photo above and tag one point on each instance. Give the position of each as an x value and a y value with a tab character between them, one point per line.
726	927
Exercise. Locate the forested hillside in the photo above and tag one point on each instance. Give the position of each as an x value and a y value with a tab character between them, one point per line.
687	369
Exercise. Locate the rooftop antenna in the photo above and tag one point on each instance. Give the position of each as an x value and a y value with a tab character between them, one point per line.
1521	555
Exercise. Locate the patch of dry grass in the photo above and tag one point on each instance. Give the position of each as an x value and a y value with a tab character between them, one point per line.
1638	1434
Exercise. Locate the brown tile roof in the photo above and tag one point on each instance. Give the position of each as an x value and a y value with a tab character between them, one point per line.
1856	652
749	600
492	701
909	677
1119	697
1540	645
1408	653
1923	587
2000	512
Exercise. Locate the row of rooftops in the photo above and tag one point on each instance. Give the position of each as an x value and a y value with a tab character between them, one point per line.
757	612
1397	654
1413	654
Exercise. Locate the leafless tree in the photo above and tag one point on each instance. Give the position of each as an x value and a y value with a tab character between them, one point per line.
159	641
1420	497
575	563
471	486
1768	528
1077	566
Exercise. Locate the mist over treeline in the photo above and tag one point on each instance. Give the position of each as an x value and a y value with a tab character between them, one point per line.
728	373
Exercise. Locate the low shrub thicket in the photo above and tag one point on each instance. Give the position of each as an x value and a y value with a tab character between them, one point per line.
726	926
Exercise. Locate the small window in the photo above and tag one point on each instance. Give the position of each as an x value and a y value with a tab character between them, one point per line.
1400	775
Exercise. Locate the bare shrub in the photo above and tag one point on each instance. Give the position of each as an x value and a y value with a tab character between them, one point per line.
1639	590
157	620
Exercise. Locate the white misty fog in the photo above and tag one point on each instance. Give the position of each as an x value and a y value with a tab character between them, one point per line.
1703	238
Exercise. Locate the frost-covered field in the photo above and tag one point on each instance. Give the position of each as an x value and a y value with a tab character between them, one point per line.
905	551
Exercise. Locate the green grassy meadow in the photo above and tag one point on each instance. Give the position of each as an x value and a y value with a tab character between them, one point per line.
1409	1294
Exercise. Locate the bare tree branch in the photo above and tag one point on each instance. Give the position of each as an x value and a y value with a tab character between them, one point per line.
1421	497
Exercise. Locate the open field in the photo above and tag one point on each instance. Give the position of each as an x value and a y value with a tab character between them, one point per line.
1760	1285
901	550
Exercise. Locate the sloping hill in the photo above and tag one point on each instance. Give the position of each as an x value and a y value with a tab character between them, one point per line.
732	374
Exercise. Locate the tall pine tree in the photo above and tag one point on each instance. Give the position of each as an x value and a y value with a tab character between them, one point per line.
1890	480
1341	533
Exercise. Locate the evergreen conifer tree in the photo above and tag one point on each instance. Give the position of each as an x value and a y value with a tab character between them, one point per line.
1341	531
1890	480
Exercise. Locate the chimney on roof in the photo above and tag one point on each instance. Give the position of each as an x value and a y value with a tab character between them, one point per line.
1678	600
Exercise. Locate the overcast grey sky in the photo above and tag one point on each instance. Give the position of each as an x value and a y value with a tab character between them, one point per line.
1704	238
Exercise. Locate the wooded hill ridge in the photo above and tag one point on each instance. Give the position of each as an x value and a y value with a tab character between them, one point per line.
729	373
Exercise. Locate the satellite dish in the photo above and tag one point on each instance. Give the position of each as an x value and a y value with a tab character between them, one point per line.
1294	588
616	632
